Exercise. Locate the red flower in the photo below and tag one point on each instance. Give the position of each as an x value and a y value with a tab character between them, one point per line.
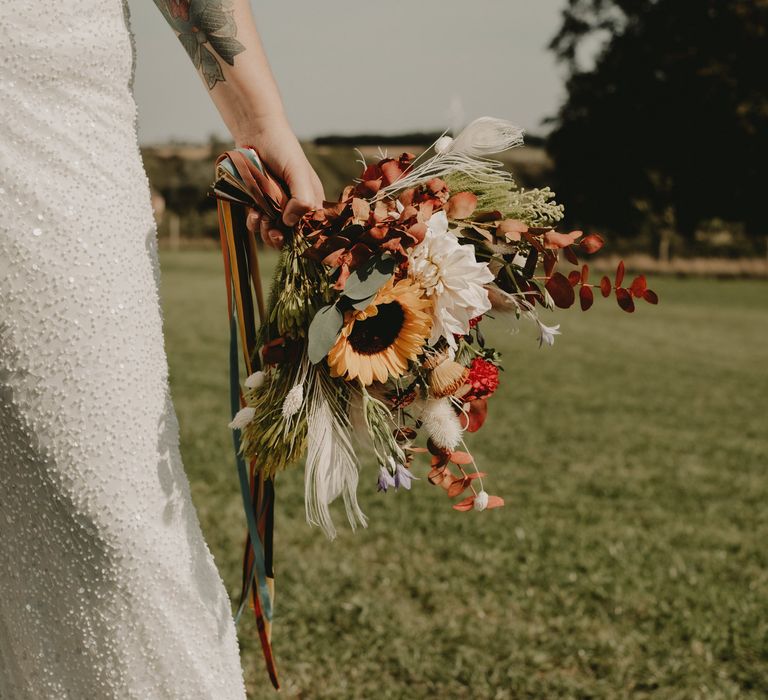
179	9
483	379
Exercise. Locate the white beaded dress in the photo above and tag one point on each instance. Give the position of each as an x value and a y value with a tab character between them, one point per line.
107	587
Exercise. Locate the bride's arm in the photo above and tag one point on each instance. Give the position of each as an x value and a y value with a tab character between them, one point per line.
221	39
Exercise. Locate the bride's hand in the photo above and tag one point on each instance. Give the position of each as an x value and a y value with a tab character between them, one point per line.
242	87
278	147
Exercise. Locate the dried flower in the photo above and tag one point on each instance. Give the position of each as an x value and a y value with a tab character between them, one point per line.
481	501
447	378
255	380
242	418
441	423
293	401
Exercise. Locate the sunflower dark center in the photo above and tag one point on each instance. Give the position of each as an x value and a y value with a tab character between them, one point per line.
378	332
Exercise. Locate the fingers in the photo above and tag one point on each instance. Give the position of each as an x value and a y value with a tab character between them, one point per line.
306	195
257	222
269	234
253	220
318	190
295	209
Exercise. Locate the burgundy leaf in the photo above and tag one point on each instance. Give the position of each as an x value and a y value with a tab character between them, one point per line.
650	296
485	217
586	297
638	286
605	287
550	262
624	298
584	274
570	255
591	243
620	273
560	290
574	277
478	411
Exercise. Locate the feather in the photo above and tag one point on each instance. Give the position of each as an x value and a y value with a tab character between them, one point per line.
332	467
466	154
486	136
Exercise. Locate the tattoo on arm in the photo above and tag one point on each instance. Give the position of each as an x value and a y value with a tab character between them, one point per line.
207	32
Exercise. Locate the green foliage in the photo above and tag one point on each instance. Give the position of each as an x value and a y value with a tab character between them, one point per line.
368	279
263	439
536	207
296	290
323	332
629	561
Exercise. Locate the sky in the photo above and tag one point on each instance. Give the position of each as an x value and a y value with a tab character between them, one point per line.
367	67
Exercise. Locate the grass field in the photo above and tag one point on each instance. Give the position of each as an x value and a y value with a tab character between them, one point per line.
631	559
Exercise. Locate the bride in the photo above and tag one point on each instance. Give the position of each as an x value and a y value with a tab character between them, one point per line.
107	588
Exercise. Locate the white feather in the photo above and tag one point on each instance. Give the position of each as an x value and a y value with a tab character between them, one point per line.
486	136
332	467
466	154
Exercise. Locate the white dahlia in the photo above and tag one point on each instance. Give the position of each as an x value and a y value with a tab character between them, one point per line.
451	277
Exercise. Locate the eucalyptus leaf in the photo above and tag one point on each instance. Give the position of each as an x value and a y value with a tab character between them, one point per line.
363	304
369	278
323	332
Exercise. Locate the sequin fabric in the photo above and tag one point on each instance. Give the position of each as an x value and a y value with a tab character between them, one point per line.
107	587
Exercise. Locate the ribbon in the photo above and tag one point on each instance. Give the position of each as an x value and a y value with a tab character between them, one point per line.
241	182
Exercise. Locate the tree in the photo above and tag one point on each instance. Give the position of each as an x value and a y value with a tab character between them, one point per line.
670	125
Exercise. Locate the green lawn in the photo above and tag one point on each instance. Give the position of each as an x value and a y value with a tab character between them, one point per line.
631	559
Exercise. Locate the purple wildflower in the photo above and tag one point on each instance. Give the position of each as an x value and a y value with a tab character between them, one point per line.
403	477
385	479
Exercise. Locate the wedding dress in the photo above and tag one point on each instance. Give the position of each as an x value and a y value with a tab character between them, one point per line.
107	588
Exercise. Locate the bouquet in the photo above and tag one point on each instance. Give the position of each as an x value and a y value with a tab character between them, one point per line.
372	340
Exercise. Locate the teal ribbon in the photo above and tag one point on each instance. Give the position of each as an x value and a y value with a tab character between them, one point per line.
259	564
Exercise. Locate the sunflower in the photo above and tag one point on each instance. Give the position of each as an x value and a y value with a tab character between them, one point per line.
380	340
